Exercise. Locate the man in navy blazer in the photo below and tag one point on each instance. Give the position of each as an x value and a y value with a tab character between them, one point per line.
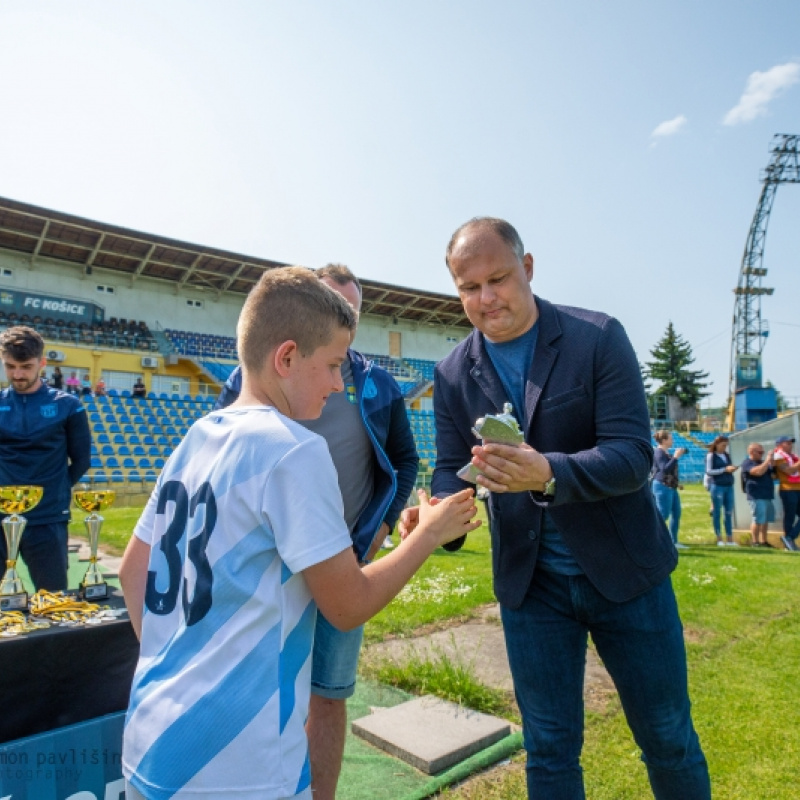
578	546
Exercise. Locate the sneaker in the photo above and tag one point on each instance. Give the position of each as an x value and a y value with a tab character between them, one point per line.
790	544
679	546
731	544
720	543
388	544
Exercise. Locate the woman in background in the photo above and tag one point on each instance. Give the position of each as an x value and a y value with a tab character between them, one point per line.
666	482
720	469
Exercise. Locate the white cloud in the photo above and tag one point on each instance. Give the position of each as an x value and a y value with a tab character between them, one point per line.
761	89
669	128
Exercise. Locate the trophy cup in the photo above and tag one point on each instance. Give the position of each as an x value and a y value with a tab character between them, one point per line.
93	587
497	428
13	500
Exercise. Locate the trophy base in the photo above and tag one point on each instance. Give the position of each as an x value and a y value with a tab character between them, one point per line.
94	591
14	602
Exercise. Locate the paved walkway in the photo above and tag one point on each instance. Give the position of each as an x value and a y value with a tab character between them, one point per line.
480	645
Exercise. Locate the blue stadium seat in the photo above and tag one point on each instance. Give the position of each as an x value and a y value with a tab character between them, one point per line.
107	450
117	476
134	476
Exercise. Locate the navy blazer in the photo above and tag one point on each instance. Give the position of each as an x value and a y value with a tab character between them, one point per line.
586	412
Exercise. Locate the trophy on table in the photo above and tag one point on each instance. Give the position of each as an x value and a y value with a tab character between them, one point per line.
13	501
498	428
93	587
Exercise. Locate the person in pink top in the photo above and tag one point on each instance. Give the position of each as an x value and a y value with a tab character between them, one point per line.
73	384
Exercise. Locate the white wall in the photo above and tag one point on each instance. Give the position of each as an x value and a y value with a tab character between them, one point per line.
155	302
417	341
158	304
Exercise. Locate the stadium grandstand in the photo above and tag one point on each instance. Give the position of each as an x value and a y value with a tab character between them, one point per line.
117	305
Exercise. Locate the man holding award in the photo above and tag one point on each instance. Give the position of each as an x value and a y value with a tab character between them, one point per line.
44	441
578	546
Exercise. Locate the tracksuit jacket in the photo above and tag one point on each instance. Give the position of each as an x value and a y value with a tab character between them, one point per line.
44	441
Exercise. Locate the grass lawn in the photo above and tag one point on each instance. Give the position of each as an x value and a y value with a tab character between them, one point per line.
740	610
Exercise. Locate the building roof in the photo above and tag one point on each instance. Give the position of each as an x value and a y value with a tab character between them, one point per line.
89	245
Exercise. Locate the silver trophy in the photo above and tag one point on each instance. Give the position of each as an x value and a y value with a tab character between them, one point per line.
493	428
13	500
93	587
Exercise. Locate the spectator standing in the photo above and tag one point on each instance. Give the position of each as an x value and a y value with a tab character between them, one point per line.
139	389
57	379
73	384
44	441
787	466
370	440
720	469
666	482
760	491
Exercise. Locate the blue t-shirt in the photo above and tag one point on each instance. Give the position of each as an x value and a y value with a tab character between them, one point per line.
512	361
757	487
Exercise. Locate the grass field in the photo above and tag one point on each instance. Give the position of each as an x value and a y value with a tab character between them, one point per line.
740	612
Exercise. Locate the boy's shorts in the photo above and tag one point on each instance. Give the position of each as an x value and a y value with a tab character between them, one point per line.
335	660
762	511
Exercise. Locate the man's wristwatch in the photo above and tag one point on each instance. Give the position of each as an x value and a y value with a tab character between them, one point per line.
550	487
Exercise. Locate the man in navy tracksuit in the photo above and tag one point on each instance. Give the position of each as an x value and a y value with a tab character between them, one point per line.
44	441
372	447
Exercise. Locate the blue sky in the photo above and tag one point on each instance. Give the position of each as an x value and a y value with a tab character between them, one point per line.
624	140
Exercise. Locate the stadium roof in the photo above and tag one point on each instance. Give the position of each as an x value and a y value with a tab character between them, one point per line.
41	232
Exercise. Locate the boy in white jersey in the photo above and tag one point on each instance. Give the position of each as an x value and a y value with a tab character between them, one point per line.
242	538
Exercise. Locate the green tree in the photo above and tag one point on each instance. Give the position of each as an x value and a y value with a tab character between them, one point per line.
672	357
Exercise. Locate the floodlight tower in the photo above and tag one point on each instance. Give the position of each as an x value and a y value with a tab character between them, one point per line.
750	331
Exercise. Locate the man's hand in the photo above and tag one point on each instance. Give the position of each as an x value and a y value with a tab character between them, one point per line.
507	468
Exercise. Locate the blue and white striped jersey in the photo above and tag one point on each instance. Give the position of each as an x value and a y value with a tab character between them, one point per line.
220	696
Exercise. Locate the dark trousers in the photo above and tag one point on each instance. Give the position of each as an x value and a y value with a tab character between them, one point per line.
44	550
641	644
791	513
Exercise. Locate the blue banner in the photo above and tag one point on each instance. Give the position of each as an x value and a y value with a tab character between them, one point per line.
42	305
79	762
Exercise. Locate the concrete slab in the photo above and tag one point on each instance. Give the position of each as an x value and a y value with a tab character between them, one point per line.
431	734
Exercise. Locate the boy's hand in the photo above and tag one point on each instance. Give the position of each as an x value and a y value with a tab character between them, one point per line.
446	519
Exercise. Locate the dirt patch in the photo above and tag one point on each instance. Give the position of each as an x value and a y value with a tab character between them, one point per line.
479	645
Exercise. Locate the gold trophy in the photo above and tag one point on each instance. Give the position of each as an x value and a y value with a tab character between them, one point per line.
13	500
93	587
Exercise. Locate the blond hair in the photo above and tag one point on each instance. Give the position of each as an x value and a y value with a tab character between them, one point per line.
289	304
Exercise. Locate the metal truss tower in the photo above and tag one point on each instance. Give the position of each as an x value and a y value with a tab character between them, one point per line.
749	330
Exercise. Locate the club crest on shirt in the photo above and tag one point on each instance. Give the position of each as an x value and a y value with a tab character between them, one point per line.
49	411
350	391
